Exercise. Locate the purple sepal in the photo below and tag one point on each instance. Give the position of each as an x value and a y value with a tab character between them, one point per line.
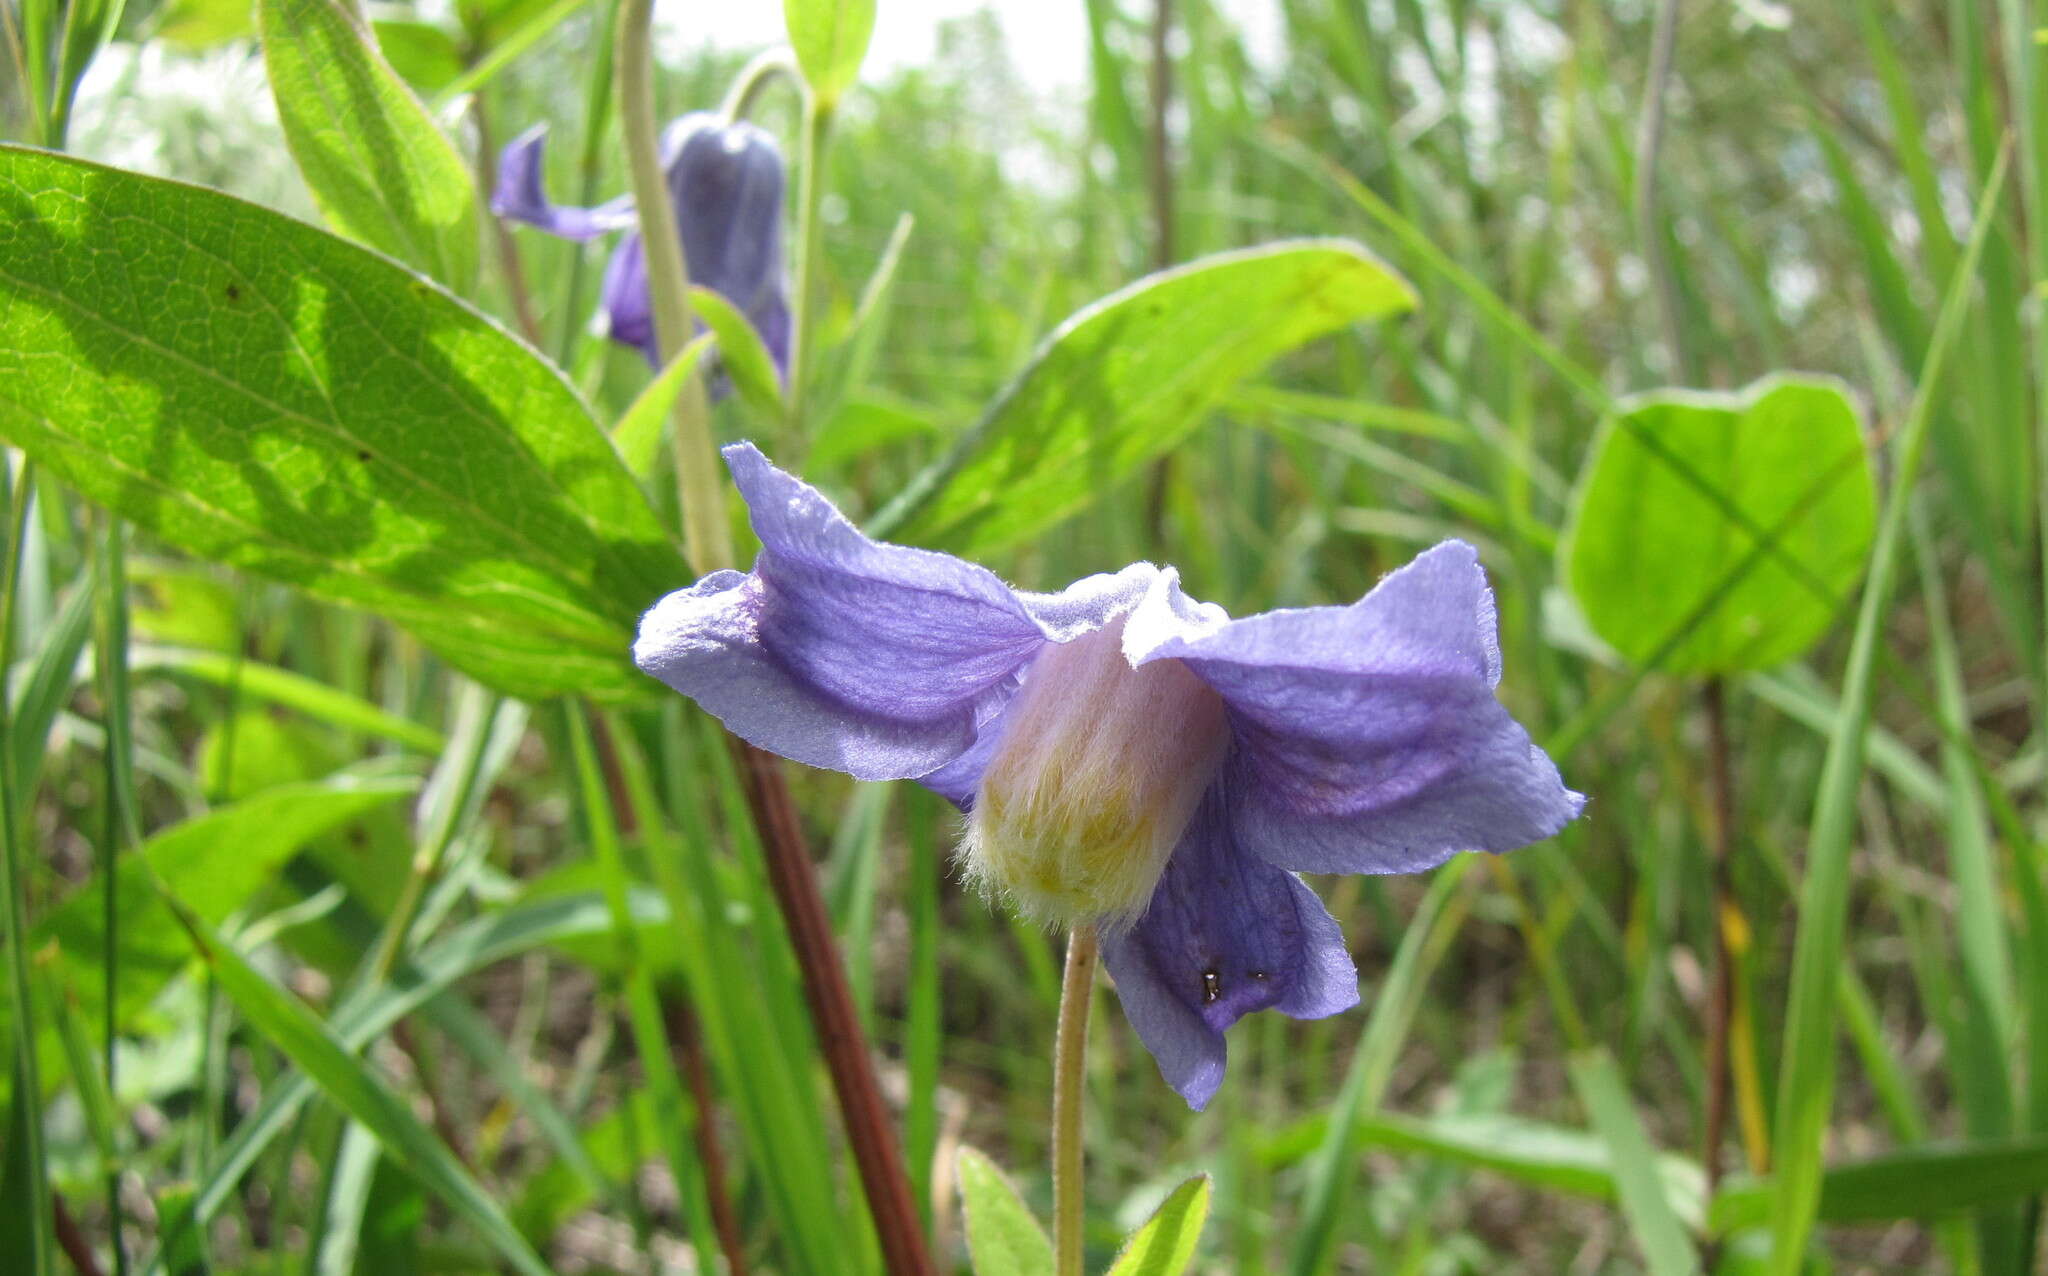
1367	739
522	194
1226	934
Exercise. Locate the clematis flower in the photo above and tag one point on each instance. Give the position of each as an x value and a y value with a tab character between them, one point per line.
1128	757
725	181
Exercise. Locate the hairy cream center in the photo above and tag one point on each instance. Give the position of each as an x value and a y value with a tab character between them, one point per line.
1097	774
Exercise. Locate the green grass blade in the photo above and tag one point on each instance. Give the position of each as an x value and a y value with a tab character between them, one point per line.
1334	1169
357	1089
1666	1248
1807	1074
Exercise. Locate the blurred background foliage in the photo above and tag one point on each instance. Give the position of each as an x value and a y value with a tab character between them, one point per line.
292	761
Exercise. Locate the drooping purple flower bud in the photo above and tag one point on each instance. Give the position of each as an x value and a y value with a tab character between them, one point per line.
725	181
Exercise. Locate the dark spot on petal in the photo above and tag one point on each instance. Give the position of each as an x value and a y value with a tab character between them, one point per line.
1212	987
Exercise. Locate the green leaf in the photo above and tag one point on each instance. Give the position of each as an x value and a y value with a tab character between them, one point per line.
214	863
638	433
1918	1182
379	168
1002	1237
740	353
1664	551
1125	379
830	38
35	704
258	392
1666	1248
358	1090
1165	1245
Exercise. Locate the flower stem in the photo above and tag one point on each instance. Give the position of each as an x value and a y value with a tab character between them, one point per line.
1070	1052
706	538
755	76
810	194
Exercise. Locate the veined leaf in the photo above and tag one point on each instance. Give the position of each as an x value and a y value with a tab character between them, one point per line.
377	164
1003	1239
260	393
1125	379
1654	557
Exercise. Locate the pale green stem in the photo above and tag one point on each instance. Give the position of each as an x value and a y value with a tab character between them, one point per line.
766	67
427	862
706	539
810	193
1070	1053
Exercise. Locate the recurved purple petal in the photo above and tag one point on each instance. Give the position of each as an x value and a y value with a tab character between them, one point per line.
625	302
1367	739
522	194
838	651
1226	934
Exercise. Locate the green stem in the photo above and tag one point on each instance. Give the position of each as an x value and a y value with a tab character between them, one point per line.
766	67
706	539
28	1083
1070	1052
810	194
426	864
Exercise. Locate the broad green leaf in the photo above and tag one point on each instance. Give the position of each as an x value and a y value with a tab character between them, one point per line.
1125	379
357	1089
378	166
1667	551
740	353
1003	1239
258	392
214	863
1165	1245
1666	1248
830	38
638	433
1919	1182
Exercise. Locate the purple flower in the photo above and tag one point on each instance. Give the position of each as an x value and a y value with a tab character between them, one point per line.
725	181
1127	756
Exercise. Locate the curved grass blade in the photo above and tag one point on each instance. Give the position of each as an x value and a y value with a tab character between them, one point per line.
354	1087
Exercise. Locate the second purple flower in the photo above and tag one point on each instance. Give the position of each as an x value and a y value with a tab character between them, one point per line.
725	181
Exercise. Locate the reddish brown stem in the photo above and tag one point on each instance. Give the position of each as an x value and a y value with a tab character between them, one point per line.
72	1240
683	1039
868	1127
